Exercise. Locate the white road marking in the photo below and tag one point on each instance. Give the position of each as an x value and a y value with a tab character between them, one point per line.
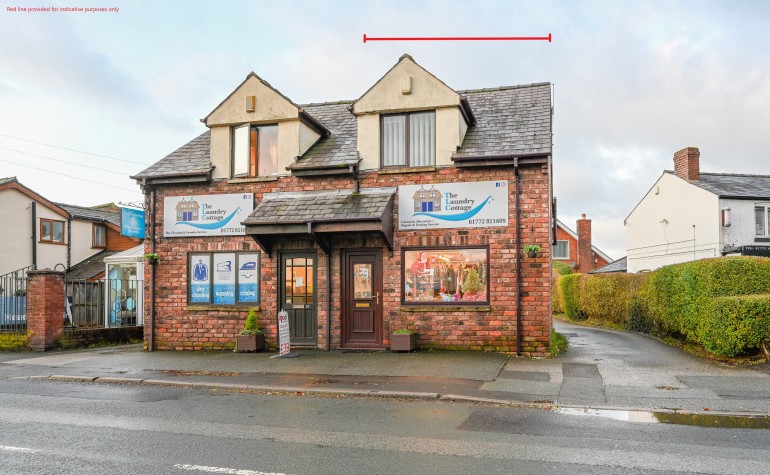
8	448
230	471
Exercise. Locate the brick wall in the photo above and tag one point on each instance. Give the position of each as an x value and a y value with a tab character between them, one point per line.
489	327
45	308
83	337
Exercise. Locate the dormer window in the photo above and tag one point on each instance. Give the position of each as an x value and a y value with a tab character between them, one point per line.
255	150
408	140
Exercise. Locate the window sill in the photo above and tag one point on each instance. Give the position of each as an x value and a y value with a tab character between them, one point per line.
762	239
219	308
446	308
52	242
396	171
253	179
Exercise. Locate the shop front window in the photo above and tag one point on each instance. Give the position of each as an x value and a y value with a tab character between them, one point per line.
223	278
446	275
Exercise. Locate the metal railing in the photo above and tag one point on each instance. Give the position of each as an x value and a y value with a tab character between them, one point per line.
13	301
104	303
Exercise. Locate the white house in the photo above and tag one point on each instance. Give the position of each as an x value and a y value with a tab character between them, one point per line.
689	215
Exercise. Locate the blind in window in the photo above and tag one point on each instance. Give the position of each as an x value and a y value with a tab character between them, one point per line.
561	250
393	140
422	139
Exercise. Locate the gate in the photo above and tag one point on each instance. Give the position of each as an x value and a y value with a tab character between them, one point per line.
13	301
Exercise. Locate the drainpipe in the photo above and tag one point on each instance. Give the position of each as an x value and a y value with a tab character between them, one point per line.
34	235
151	346
69	242
329	300
519	325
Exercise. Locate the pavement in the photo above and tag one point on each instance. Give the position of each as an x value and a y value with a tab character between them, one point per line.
602	369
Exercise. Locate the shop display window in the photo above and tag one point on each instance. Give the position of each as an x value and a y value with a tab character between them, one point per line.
446	275
223	278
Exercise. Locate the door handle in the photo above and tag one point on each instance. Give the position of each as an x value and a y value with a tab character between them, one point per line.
377	297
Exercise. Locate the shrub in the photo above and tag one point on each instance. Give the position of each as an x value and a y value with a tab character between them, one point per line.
251	327
608	297
734	325
562	268
570	294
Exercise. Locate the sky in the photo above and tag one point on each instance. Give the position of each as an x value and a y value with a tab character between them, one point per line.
633	82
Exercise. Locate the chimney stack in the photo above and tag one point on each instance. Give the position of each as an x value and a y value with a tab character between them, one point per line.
585	257
687	163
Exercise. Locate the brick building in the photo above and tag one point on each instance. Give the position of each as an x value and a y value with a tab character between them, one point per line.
576	248
314	209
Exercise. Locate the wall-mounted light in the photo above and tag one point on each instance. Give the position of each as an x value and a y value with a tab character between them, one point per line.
406	85
251	103
664	221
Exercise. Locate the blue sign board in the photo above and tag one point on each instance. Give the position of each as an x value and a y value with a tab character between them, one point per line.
132	222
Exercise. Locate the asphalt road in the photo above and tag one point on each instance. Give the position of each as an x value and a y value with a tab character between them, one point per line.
57	427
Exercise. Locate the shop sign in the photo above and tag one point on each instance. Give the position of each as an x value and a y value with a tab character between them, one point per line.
762	251
480	204
132	222
206	215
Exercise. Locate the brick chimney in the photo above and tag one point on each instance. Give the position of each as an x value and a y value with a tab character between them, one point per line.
687	163
585	257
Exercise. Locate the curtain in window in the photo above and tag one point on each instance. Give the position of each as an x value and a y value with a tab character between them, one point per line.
393	140
422	139
241	150
268	151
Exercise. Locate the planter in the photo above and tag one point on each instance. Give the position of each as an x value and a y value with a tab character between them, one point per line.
532	254
403	342
250	343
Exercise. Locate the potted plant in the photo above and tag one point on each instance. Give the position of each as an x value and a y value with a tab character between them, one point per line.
152	258
403	339
251	338
532	250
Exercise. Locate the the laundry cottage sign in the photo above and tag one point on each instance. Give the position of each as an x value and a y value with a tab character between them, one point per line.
453	205
206	215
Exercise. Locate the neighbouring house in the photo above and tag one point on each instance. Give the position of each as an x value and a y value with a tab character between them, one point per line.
576	249
405	208
619	265
689	215
39	233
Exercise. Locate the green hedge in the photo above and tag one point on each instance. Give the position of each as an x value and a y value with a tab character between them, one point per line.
721	304
556	301
562	268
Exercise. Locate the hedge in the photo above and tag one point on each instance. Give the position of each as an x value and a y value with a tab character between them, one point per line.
562	268
720	303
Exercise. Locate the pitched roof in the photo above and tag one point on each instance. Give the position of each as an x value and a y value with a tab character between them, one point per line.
90	267
323	206
339	149
192	158
12	183
92	214
572	233
513	120
10	179
617	266
734	185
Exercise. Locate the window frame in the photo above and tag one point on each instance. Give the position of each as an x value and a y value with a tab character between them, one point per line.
765	218
237	281
52	222
94	243
407	158
253	142
565	258
423	303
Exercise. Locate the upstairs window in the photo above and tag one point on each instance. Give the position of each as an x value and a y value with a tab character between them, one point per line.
99	236
255	150
409	140
762	220
52	231
561	250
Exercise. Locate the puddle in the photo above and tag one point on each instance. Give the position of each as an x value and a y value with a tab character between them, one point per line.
700	420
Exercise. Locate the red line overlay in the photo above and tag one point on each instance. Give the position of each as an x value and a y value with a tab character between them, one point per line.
462	38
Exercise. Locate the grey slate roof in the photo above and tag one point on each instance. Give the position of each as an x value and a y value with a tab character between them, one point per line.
514	120
89	267
192	158
315	206
509	120
339	148
91	214
734	185
616	266
10	179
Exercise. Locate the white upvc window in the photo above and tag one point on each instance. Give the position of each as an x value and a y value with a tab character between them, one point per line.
762	220
255	150
408	140
561	250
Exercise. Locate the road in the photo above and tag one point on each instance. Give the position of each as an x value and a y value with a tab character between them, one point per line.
58	427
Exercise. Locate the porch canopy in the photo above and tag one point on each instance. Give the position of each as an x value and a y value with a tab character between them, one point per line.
319	214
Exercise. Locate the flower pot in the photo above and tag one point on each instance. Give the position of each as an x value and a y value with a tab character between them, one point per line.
250	343
403	342
532	254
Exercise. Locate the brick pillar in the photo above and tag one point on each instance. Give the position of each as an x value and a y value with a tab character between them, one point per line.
45	308
585	257
687	163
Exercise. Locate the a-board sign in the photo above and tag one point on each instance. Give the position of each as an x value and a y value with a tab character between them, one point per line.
284	344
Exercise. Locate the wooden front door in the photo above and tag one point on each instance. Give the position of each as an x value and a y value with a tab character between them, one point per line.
362	299
296	295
